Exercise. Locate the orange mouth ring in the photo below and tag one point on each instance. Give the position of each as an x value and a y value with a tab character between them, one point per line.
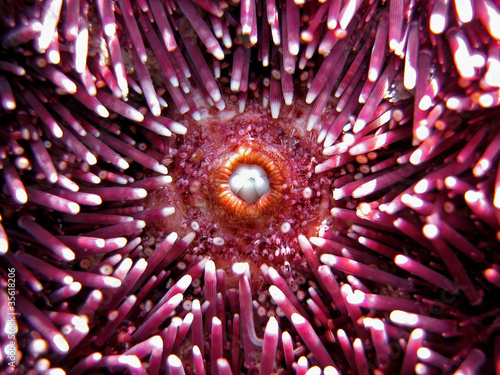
253	153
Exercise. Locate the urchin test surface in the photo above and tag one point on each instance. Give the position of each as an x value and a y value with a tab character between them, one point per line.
303	207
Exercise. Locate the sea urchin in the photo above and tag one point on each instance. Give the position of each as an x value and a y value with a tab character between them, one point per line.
226	187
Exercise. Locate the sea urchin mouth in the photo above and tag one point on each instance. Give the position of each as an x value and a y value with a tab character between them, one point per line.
252	153
249	182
